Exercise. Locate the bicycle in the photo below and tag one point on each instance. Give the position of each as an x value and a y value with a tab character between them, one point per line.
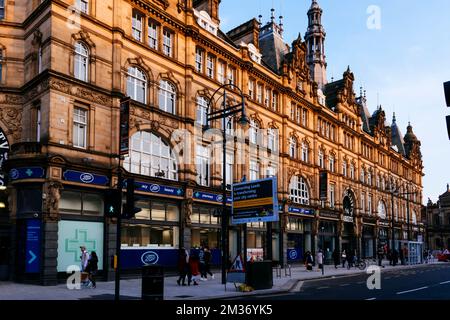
361	264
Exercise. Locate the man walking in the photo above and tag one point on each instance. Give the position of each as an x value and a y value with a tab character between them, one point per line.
380	254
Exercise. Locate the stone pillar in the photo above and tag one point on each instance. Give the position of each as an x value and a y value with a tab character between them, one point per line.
111	236
185	225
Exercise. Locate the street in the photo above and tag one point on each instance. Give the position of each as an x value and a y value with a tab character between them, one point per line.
423	283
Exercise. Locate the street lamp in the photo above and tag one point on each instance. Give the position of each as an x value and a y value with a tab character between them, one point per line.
226	112
323	249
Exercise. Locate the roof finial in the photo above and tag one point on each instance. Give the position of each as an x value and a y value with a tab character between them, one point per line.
365	96
272	15
360	91
393	118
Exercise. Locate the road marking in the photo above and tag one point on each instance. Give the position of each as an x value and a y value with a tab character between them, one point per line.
344	285
320	288
403	292
370	299
297	287
445	282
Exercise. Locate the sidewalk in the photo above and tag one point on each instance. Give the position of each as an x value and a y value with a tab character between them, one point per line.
210	289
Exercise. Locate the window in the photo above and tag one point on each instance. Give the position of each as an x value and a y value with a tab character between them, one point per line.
152	34
167	43
81	62
253	131
2	9
198	60
369	204
331	163
378	181
293	108
274	101
259	90
202	163
229	169
381	210
383	184
254	170
167	97
293	147
321	160
266	97
40	59
332	195
150	236
38	124
83	5
137	85
136	25
352	171
305	152
299	114
344	168
271	139
231	76
75	202
305	117
362	175
229	126
202	109
151	156
221	72
299	192
251	89
79	127
369	178
363	202
210	66
270	171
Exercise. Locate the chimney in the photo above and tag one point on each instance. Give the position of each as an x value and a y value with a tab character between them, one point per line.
210	6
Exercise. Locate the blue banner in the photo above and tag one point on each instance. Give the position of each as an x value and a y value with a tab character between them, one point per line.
210	197
85	177
136	258
159	189
301	211
294	254
33	247
26	173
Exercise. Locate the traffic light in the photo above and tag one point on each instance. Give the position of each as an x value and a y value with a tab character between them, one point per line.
129	210
113	202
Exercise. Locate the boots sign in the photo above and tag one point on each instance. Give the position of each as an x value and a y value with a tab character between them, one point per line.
4	148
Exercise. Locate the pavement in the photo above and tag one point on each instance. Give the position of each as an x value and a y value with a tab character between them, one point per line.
206	290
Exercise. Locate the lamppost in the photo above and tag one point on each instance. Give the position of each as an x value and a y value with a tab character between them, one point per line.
226	112
323	249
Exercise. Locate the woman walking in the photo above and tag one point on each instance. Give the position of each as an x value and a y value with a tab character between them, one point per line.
92	268
183	267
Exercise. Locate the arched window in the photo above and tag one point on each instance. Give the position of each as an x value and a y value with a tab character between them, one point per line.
254	127
369	178
151	156
352	171
167	97
381	210
299	192
81	61
321	161
305	152
344	168
202	110
362	175
137	85
293	147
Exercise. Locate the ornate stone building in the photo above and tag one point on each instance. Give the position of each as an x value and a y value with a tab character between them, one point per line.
66	65
437	220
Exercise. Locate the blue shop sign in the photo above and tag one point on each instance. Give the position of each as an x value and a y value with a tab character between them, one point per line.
159	189
210	197
301	211
136	258
26	173
294	254
33	246
85	177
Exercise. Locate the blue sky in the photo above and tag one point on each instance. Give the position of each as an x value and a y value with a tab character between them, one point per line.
402	65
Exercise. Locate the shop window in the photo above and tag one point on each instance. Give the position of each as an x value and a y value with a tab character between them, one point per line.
144	214
29	200
173	213
75	202
140	235
158	212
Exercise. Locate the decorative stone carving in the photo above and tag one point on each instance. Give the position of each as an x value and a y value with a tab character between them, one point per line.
12	118
53	195
80	92
188	212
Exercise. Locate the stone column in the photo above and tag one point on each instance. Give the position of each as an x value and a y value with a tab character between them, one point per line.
49	251
111	236
185	219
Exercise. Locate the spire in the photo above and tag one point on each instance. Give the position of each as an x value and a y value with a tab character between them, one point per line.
394	119
272	15
315	42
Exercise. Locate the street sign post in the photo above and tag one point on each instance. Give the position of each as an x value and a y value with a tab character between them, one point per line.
255	201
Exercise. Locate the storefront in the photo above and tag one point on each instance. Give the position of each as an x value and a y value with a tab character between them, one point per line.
328	239
299	233
368	241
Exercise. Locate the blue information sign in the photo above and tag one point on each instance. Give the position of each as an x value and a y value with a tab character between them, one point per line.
301	210
159	189
26	173
85	177
33	246
210	197
255	201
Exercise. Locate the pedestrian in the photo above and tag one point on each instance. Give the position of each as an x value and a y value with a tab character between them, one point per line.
207	258
405	253
344	258
201	257
194	269
309	261
183	266
380	254
389	256
92	268
319	258
84	258
349	259
402	257
336	258
394	257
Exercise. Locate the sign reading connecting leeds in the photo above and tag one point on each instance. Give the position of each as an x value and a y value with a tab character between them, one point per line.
255	201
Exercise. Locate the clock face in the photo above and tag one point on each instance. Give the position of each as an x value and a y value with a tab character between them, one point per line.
4	149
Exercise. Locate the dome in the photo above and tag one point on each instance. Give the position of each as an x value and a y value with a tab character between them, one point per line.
315	5
410	136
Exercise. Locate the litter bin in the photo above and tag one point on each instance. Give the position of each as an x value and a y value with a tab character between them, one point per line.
259	275
152	282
